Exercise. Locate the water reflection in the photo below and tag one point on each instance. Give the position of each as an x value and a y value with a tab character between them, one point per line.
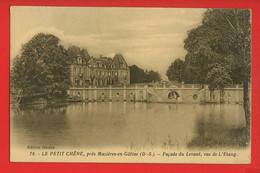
217	128
38	126
129	125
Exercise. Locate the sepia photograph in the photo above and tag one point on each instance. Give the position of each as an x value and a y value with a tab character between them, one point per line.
130	85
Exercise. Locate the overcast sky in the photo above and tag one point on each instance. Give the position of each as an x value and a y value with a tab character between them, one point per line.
151	38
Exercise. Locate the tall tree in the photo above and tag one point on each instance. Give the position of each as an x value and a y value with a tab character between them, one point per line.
176	70
42	67
220	49
153	76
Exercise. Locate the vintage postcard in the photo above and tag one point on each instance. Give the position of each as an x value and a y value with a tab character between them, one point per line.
130	85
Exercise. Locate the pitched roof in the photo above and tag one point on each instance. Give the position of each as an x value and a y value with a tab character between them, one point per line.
118	59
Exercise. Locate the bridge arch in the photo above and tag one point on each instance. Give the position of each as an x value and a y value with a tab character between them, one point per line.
173	94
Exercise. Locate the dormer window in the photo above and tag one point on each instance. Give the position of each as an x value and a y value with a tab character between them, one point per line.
80	60
124	65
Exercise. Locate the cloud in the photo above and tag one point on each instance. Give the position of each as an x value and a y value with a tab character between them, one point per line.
148	37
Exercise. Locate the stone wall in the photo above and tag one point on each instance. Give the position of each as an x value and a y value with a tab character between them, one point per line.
178	94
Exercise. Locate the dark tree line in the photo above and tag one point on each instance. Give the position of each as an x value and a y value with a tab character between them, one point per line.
138	75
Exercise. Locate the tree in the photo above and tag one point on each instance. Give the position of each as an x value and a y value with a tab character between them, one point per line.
138	75
176	70
153	76
42	68
220	49
218	78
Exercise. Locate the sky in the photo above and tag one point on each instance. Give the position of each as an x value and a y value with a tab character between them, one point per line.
150	38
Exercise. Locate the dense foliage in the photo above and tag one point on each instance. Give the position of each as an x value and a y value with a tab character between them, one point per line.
42	68
219	52
176	71
138	75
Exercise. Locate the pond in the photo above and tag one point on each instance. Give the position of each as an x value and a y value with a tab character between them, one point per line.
129	125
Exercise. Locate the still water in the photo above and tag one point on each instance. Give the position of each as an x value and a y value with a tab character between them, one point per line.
129	125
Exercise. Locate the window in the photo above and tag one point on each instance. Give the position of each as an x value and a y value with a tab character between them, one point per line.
109	73
115	73
99	64
79	60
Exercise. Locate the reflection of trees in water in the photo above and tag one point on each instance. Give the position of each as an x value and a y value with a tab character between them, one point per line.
41	123
212	131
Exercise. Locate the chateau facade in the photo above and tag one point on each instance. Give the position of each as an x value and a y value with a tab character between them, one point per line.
86	71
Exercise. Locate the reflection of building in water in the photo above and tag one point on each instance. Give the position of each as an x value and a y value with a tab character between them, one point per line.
87	70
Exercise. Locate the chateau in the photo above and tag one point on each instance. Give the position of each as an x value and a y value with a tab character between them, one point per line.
86	70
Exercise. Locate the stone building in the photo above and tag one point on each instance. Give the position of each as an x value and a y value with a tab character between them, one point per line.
85	70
